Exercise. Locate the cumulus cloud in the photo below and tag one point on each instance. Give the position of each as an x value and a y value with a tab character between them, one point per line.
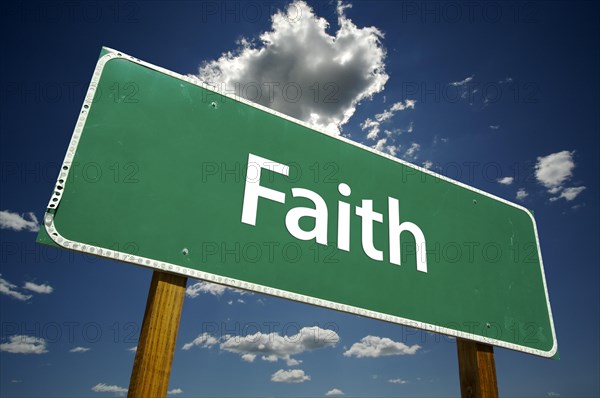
175	391
374	347
18	222
372	126
506	180
10	290
554	170
568	194
80	349
382	146
289	376
41	289
428	164
522	194
270	347
204	340
301	70
101	387
336	392
411	152
398	381
21	344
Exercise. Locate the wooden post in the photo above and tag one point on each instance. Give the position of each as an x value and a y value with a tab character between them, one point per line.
477	370
156	346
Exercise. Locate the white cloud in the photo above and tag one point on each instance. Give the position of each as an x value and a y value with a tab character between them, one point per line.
101	387
293	362
80	349
132	349
522	194
204	340
199	288
301	70
462	82
568	194
16	222
398	381
554	170
495	126
508	79
196	289
175	391
335	392
271	347
10	290
428	164
411	152
382	147
391	111
21	344
553	394
374	347
41	289
506	180
373	126
289	376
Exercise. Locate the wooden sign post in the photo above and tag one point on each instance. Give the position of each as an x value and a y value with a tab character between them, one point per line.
156	346
477	370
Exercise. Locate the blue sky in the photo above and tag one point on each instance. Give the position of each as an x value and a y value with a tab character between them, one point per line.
500	96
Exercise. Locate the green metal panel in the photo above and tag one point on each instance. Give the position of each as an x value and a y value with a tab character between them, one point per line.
156	174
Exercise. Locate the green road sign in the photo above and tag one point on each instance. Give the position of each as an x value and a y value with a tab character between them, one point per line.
164	172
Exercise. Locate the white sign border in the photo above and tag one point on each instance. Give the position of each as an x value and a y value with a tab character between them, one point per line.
238	284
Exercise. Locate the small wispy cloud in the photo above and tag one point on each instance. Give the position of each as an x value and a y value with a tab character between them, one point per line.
175	391
495	126
101	387
205	340
41	289
522	194
463	81
19	222
411	152
213	289
335	392
382	146
398	381
80	349
373	127
10	290
568	194
506	180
